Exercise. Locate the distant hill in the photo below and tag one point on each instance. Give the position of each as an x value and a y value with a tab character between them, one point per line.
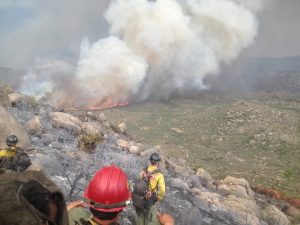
287	64
278	74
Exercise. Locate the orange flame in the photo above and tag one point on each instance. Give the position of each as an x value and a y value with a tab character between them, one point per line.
109	102
107	106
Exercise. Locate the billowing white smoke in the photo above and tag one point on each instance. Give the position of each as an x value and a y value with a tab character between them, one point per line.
182	42
159	48
108	71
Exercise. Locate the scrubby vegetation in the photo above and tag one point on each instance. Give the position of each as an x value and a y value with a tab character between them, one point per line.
256	137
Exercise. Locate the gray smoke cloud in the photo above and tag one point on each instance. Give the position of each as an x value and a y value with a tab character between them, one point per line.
279	30
157	48
46	76
53	29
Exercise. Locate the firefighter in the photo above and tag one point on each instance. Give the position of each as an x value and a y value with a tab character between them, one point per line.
155	193
13	157
106	195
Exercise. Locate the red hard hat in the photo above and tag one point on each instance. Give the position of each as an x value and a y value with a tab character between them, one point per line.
108	191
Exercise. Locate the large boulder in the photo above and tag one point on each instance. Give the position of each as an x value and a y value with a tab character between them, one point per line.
125	145
178	166
21	101
91	129
235	186
66	121
242	206
9	125
205	178
274	216
34	125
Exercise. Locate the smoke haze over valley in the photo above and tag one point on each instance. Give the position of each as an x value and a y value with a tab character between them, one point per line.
146	49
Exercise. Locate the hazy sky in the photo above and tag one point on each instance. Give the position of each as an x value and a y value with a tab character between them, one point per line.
54	29
279	31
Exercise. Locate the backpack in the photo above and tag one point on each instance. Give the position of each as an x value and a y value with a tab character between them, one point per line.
18	162
142	197
26	199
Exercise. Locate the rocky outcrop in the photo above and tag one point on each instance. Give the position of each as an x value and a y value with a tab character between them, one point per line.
193	198
217	207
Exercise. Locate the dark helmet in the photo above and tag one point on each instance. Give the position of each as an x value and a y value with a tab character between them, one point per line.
11	140
154	157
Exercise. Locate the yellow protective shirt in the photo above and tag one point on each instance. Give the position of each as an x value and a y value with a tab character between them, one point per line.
7	153
157	182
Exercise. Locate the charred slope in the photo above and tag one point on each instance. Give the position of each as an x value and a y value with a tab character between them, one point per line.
193	197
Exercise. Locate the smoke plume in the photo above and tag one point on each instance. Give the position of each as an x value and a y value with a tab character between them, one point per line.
158	48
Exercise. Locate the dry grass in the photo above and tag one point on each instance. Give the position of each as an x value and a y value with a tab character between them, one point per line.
255	138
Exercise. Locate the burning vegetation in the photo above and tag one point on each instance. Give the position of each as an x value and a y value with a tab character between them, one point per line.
155	49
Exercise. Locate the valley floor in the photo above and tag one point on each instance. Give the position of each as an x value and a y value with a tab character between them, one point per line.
255	136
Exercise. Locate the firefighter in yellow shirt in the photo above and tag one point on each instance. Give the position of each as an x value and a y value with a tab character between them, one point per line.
157	190
157	180
12	157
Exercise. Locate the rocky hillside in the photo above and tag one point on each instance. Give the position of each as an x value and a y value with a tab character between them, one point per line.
71	146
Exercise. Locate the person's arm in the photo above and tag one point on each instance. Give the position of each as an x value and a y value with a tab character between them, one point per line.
165	219
75	204
143	174
162	187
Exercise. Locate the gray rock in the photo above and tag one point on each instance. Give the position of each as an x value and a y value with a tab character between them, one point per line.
34	125
178	183
46	139
57	145
66	121
190	216
205	178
